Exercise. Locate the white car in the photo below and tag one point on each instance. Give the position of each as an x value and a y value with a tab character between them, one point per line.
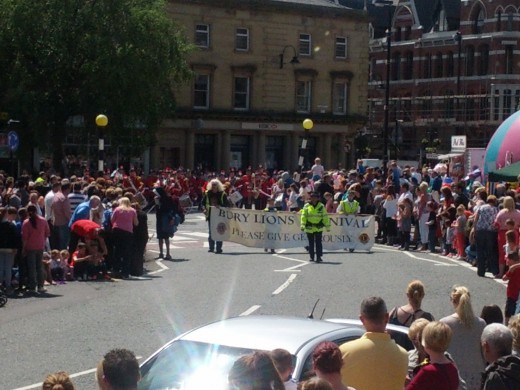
201	358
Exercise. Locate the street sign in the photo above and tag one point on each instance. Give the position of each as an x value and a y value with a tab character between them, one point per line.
432	156
13	141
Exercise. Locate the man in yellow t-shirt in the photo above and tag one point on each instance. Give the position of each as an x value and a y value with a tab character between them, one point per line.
374	361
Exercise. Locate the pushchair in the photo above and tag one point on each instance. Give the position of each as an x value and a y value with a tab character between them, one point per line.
3	298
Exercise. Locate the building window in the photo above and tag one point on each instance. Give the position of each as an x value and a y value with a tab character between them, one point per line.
498	26
201	91
427	71
407	33
341	48
509	59
450	65
478	22
242	39
516	107
438	65
510	18
397	34
303	96
202	35
470	61
241	93
396	66
449	105
483	63
496	104
339	98
305	45
408	67
506	108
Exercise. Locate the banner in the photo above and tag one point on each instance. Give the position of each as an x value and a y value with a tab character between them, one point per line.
281	229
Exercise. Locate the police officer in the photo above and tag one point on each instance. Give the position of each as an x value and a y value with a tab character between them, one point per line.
214	196
313	220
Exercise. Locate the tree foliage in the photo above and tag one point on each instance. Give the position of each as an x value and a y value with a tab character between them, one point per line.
61	58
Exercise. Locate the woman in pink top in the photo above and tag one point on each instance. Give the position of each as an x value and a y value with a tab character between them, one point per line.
124	218
508	212
35	232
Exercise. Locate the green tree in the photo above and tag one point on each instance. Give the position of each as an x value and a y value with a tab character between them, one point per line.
62	58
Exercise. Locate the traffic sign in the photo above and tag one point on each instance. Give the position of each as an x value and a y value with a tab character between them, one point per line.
13	141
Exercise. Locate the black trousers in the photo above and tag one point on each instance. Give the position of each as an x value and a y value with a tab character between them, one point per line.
315	244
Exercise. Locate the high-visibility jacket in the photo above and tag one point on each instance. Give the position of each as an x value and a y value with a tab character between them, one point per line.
314	218
348	208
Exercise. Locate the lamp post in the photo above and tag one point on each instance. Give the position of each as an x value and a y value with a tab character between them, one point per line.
307	124
101	122
389	4
457	37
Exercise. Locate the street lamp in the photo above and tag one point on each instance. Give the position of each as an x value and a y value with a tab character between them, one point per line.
101	122
388	4
307	124
293	61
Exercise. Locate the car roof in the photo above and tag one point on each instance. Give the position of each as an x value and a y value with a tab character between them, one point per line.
266	332
358	323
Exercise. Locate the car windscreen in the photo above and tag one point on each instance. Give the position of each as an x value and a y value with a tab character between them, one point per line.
190	365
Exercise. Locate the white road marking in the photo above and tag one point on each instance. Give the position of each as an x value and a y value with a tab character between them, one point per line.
294	268
196	234
160	264
438	263
75	375
252	309
285	285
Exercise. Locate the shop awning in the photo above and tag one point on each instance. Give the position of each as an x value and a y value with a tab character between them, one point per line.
449	155
508	173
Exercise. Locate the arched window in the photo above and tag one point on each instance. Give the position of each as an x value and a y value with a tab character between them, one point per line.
478	21
510	18
470	60
498	17
483	63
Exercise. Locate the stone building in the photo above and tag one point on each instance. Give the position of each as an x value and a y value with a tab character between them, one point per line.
260	68
454	70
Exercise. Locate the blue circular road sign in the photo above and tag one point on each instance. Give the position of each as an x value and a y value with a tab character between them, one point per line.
13	141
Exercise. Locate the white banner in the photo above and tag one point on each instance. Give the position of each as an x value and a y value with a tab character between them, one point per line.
281	229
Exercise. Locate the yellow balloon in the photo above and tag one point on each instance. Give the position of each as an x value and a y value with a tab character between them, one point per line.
308	124
101	120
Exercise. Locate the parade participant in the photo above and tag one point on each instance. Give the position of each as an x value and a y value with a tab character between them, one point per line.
349	206
214	197
271	207
314	219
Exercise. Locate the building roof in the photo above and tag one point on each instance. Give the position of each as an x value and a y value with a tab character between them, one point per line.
428	12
